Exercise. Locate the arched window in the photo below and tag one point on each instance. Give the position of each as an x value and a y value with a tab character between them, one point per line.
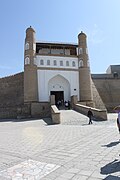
41	62
48	62
80	51
35	61
81	63
73	63
61	63
67	63
55	62
27	46
27	60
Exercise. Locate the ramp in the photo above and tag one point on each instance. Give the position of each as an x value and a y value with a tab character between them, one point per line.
71	117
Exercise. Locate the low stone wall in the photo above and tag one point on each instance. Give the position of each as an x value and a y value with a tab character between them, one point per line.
98	114
55	114
40	109
21	111
8	113
33	110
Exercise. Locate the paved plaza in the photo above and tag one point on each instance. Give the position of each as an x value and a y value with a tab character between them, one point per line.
73	150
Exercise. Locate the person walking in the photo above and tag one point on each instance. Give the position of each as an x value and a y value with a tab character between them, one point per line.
90	115
68	104
118	122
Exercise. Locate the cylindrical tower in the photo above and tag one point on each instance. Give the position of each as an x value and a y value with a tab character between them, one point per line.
30	69
85	89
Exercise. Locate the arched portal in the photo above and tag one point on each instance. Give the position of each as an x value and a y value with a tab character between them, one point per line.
60	87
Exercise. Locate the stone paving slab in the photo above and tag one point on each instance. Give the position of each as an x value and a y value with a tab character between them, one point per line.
30	169
75	149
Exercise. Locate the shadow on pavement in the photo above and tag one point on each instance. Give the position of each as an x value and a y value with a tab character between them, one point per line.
111	144
85	124
48	121
17	120
112	167
111	177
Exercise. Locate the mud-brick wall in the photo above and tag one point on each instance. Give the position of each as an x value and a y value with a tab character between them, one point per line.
99	104
109	91
11	90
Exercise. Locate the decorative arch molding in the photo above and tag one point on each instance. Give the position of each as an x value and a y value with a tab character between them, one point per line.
59	83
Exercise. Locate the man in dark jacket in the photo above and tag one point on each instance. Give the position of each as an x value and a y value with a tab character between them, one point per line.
90	114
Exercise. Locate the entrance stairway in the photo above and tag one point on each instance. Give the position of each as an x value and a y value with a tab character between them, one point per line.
71	117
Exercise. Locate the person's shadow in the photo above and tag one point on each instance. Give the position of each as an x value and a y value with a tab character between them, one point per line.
111	144
111	177
112	167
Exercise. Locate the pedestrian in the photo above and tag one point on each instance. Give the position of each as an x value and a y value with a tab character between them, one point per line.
68	104
90	115
58	104
118	122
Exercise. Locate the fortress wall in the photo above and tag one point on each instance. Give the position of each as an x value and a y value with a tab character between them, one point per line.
109	91
106	91
11	90
11	95
12	100
21	111
96	98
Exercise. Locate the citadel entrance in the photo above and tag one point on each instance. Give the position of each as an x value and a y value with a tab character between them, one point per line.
59	96
60	87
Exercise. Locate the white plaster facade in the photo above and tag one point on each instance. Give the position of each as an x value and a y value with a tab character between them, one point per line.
58	59
63	78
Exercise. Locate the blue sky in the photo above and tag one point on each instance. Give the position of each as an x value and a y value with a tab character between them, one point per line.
60	20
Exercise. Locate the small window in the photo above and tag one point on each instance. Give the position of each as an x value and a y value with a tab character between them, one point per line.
73	63
67	63
27	46
48	62
41	62
27	60
61	63
35	61
55	62
34	46
81	63
80	51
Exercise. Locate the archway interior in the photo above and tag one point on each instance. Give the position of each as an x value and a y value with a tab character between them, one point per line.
59	96
60	87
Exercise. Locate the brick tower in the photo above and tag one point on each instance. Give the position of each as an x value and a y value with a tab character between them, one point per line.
85	91
30	69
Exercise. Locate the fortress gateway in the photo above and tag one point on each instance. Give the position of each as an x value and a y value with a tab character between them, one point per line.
60	69
53	72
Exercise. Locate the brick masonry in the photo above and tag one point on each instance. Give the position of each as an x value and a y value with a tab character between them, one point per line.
11	90
106	93
109	91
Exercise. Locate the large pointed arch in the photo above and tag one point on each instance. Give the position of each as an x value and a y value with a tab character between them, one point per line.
59	83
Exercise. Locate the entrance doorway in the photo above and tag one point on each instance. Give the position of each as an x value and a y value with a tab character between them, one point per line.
59	96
